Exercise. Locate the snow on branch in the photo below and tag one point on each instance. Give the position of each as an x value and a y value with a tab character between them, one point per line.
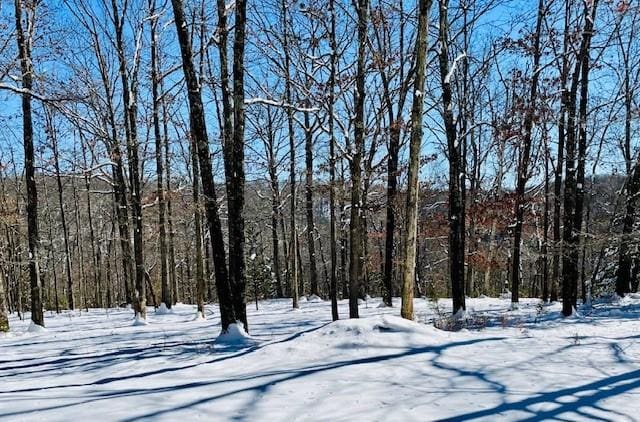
283	104
447	78
20	90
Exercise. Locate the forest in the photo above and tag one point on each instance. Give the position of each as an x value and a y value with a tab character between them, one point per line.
290	149
215	159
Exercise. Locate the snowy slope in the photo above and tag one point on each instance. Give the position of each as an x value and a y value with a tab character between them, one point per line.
527	364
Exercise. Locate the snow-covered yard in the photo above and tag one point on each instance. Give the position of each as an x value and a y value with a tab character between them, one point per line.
528	364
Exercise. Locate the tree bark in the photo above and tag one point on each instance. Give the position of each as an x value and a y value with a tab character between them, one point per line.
311	228
166	290
356	228
63	217
413	182
26	68
235	197
199	134
129	99
275	202
574	174
197	219
333	280
293	244
456	177
4	317
525	157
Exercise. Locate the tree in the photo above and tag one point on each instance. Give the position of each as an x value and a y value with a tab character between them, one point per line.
525	156
51	131
395	122
160	194
4	318
415	143
198	131
632	187
333	282
25	39
356	226
129	98
293	243
235	169
576	146
456	170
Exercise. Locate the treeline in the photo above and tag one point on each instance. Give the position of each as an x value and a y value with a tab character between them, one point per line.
209	152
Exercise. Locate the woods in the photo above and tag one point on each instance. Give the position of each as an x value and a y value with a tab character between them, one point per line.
204	152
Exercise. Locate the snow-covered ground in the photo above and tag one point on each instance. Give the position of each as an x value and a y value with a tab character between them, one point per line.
527	364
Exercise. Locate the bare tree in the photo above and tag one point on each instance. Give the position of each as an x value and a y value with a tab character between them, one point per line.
25	40
456	171
415	143
525	156
199	133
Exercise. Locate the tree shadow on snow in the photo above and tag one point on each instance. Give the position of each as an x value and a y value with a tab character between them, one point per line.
582	401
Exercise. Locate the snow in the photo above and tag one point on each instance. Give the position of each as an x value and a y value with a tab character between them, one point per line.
162	309
314	298
528	363
235	335
139	322
35	328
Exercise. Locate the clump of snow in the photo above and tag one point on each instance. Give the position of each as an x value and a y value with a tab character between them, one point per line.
35	328
383	305
138	321
235	336
461	315
302	299
575	314
373	326
199	317
314	299
163	310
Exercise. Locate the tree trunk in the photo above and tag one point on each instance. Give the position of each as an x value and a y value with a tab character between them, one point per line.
197	219
525	157
293	246
199	134
413	183
456	177
275	202
574	175
129	99
164	275
4	318
545	240
26	68
356	228
557	188
632	188
311	228
171	259
235	195
333	282
95	250
63	218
